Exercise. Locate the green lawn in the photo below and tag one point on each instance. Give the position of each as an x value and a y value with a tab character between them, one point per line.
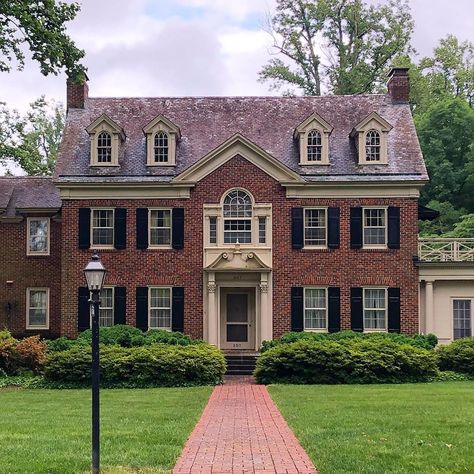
426	428
48	431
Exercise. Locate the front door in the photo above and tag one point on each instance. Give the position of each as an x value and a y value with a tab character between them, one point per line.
237	318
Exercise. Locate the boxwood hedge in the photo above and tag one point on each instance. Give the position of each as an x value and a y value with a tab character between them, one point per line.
348	360
457	356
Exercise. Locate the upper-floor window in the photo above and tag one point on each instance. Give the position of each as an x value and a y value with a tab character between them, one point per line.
161	147
160	227
102	227
104	148
462	318
375	227
315	309
375	309
315	227
315	147
372	146
37	308
237	217
105	136
38	236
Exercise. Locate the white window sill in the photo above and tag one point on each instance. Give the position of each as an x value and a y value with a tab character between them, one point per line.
160	247
320	331
38	328
368	331
38	254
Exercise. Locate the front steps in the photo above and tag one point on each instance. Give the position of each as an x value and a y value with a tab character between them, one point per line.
241	364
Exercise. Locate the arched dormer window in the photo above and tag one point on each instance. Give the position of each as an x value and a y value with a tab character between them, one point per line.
161	147
104	147
237	210
372	146
314	146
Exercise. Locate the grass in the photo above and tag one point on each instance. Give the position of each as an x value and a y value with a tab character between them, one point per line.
142	431
425	428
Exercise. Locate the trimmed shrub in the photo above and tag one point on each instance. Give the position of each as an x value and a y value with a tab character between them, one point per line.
158	365
349	360
457	356
8	361
31	353
428	341
61	344
173	338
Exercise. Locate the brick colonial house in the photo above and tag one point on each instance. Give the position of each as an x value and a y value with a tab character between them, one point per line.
233	219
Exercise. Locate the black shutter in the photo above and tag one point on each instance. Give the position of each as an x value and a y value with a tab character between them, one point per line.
393	227
297	308
177	311
334	309
333	227
142	228
142	308
394	310
120	305
297	227
83	309
356	227
120	228
84	227
357	311
178	228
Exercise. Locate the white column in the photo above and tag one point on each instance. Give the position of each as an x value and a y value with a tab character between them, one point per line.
429	307
266	332
212	312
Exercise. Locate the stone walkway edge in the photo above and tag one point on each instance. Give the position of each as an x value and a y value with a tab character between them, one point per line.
242	431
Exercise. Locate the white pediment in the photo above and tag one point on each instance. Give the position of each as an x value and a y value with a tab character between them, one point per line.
237	259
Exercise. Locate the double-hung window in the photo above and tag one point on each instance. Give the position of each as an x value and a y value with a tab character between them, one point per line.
160	227
375	309
315	227
102	227
106	311
462	318
38	236
375	227
159	308
37	308
315	309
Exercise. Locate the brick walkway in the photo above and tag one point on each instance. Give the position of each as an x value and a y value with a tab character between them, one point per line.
242	431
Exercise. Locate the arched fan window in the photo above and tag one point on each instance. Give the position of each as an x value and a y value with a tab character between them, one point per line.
237	212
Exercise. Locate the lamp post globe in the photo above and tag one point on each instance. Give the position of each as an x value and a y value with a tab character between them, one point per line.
95	274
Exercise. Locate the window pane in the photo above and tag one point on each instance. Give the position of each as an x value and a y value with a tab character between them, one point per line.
372	146
315	308
462	323
102	227
104	148
160	227
37	311
262	230
315	227
314	147
237	230
161	147
237	204
160	318
213	230
39	235
160	297
374	226
375	308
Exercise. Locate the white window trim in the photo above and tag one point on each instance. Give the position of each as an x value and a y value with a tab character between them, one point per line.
253	220
97	246
375	246
312	246
94	139
28	325
100	307
29	252
161	246
321	330
468	298
171	307
385	288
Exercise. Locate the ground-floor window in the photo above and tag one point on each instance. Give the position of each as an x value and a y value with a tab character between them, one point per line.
462	318
106	312
159	308
375	309
37	308
315	308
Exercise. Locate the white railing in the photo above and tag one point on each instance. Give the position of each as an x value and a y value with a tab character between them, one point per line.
446	250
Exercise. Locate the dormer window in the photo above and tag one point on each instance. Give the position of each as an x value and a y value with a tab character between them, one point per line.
372	146
161	148
313	135
105	137
315	148
371	140
162	136
104	148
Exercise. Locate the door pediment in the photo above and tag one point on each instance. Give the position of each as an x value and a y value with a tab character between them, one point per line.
238	260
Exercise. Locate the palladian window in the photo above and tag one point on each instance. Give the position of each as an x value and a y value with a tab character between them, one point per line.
161	147
315	146
237	217
372	146
104	147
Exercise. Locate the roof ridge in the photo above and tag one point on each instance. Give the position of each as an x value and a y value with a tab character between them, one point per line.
266	97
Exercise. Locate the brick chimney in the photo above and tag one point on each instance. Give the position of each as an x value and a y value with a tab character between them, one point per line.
399	85
77	93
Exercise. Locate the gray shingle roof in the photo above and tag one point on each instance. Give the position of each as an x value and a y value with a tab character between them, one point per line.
27	192
269	122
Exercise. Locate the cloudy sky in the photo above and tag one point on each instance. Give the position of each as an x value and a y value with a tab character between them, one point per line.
192	47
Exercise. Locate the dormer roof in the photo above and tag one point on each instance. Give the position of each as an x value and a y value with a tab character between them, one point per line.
314	118
373	116
105	119
166	125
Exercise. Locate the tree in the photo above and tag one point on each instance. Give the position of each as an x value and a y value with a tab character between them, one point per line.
448	216
464	228
40	25
358	41
31	141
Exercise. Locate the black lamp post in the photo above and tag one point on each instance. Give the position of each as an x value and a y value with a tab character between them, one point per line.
95	274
